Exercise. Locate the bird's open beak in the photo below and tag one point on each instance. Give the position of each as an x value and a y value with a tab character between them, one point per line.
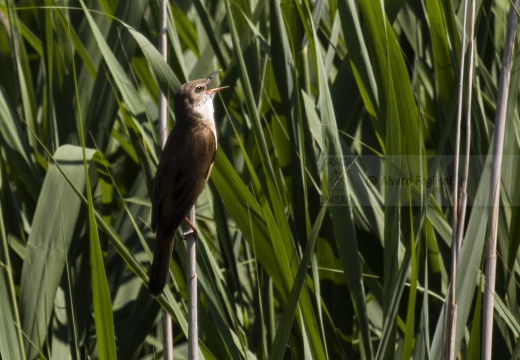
213	74
212	92
216	90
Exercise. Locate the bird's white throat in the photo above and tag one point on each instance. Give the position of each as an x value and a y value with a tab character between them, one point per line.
206	111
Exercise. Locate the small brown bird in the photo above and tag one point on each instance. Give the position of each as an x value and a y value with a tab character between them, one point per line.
183	170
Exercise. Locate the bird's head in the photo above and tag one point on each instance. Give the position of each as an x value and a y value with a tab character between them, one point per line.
195	98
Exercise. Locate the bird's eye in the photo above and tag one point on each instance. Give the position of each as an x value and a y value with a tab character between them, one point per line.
199	88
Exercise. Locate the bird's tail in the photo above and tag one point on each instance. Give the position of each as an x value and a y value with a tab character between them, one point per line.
160	267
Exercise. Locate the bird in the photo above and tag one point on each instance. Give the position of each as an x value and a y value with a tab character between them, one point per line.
183	171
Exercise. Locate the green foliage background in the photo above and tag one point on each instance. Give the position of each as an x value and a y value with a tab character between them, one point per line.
281	275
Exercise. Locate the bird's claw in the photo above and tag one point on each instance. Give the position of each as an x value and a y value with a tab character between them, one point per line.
190	233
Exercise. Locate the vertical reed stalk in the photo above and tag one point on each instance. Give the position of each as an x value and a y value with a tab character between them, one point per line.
163	135
494	191
459	212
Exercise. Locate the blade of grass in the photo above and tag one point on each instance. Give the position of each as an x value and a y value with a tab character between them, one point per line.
51	235
11	341
103	319
284	328
341	216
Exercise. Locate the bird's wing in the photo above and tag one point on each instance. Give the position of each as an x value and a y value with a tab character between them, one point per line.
158	193
162	175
